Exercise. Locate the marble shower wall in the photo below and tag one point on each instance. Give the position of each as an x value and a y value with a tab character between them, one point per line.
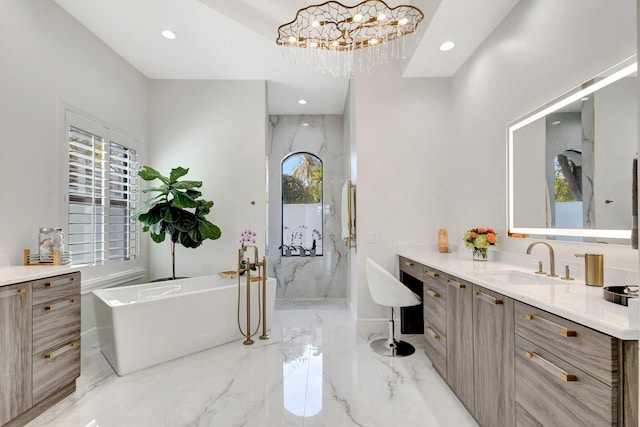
308	277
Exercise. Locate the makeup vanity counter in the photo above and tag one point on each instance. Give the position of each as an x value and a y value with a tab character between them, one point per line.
39	339
10	275
523	349
572	300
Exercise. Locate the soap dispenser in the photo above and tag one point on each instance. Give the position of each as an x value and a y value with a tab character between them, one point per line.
593	269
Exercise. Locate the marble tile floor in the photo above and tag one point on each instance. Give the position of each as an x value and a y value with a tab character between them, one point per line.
314	371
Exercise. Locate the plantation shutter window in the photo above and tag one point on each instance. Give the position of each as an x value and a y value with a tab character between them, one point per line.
102	194
123	186
87	174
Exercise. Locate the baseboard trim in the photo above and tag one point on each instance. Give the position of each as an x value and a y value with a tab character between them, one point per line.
372	326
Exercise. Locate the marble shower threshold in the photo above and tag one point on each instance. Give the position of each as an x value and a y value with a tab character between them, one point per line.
311	304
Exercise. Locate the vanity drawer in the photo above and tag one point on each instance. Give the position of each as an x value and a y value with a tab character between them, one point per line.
54	288
554	392
434	308
591	351
435	348
523	419
55	369
435	280
411	267
56	322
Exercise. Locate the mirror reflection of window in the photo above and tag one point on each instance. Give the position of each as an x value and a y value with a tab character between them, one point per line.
302	213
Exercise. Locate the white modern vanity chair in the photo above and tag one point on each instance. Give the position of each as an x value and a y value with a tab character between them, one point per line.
388	291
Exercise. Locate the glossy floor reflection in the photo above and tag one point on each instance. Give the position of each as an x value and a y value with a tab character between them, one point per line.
314	371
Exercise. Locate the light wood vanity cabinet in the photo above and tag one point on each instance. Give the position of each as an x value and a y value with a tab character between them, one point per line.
568	374
460	340
45	369
15	350
493	363
435	323
513	364
56	334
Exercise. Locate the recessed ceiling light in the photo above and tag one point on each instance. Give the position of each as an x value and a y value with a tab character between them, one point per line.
302	101
448	45
557	122
305	124
168	34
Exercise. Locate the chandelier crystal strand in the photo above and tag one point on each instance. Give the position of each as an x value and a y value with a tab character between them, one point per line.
337	39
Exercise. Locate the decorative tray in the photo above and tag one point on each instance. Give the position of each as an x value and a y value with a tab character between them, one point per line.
619	294
56	259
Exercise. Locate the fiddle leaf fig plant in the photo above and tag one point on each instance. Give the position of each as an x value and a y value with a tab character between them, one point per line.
177	210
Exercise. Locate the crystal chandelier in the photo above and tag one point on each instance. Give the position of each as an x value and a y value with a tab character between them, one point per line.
339	39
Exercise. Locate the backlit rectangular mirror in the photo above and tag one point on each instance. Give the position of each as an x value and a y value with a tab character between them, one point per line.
570	162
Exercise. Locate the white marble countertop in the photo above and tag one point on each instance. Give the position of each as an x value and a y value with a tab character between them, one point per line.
17	274
572	300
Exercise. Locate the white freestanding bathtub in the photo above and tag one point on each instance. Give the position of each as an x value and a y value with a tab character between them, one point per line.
144	325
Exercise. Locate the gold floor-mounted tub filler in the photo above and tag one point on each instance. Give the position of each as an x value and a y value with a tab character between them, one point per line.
245	267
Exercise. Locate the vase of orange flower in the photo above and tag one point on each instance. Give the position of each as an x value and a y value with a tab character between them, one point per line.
480	239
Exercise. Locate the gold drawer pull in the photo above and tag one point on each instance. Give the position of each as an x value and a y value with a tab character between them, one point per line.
488	298
456	284
561	329
12	293
432	273
408	264
64	280
60	304
433	334
550	367
61	350
432	294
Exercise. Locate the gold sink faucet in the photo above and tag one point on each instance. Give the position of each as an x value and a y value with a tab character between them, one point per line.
552	260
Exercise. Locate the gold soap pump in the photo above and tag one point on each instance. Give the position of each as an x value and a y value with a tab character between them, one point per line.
593	269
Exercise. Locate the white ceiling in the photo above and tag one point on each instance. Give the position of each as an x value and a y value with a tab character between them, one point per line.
235	39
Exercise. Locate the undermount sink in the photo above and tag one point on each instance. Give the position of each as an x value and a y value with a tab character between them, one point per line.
514	277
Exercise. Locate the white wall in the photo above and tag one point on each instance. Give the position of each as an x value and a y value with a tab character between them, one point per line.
352	168
47	58
429	158
218	130
403	131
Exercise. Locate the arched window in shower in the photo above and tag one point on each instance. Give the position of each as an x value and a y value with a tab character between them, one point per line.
302	213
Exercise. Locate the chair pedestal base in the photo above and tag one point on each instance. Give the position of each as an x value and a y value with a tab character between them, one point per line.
391	347
395	349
